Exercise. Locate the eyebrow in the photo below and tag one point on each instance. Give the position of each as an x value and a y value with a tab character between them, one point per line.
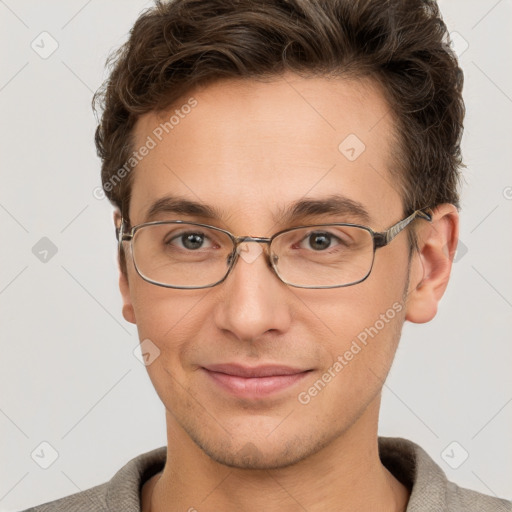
335	205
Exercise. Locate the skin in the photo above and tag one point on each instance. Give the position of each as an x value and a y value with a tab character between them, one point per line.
250	148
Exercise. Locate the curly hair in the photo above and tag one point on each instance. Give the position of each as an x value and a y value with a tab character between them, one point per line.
403	45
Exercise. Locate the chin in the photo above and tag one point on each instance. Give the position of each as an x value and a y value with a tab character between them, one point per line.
251	456
260	454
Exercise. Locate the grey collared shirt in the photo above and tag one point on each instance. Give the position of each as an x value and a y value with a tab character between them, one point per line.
409	463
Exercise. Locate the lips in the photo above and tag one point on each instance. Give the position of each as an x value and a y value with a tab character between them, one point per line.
256	371
253	382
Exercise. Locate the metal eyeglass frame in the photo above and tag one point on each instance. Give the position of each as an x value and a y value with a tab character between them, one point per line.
380	239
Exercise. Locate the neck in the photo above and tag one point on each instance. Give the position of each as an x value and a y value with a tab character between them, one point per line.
345	475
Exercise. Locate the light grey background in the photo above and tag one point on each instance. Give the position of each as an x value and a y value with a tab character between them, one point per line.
68	374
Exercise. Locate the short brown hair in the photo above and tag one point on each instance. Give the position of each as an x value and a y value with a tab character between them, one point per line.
402	44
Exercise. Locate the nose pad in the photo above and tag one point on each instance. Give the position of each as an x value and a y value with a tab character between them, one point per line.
249	252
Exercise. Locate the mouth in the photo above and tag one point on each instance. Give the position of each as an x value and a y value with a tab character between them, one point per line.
253	382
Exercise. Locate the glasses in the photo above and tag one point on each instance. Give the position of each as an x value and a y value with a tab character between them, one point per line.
190	255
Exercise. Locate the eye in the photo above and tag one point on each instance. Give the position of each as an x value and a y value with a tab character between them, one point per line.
320	241
190	241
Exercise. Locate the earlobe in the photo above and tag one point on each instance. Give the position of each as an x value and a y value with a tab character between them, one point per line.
124	287
432	263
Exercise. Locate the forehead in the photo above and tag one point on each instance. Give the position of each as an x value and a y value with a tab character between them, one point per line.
249	147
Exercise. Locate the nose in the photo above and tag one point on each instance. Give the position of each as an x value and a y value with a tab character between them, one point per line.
254	300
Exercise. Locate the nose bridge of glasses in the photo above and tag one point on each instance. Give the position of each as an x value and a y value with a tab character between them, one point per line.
249	252
258	239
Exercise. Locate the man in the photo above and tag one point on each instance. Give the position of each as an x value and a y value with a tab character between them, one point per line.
285	181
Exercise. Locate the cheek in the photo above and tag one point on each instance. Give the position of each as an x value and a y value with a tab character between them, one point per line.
168	317
167	320
345	312
362	324
362	328
357	361
159	309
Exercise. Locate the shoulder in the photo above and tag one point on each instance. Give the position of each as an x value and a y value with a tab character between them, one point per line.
430	490
122	492
459	499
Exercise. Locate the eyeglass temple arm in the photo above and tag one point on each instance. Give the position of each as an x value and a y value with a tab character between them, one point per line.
121	234
384	238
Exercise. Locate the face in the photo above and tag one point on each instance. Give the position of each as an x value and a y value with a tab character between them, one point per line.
249	150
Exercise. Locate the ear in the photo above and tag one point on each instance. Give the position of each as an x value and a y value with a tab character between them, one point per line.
432	263
124	285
